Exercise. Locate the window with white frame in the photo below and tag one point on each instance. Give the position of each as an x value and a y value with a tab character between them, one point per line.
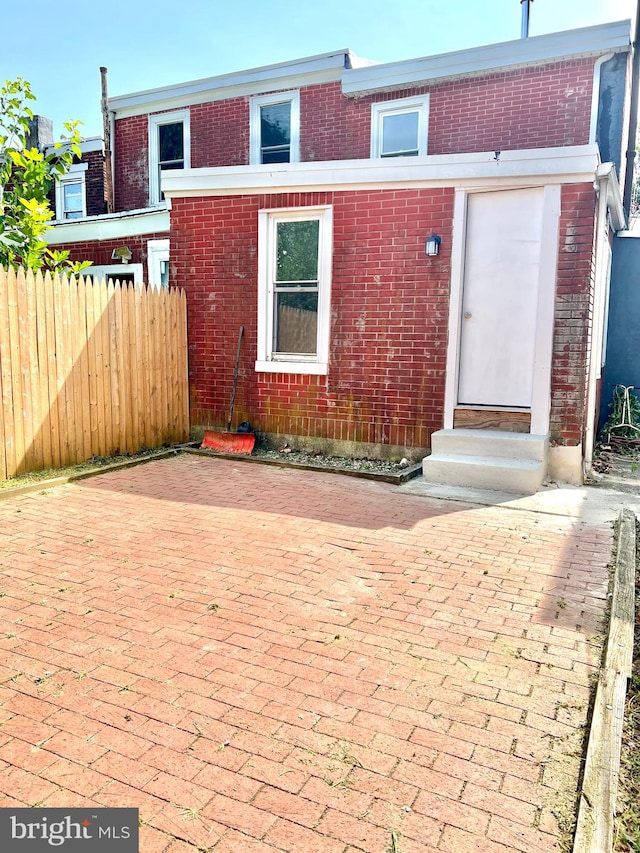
158	263
275	128
71	194
399	128
294	289
125	274
169	148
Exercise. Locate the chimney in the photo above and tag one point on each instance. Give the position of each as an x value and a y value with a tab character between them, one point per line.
40	133
524	32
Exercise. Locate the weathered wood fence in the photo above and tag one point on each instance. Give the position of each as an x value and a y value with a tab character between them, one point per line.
88	369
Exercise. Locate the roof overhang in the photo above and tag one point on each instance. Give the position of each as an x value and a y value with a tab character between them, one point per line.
530	167
589	41
110	226
323	68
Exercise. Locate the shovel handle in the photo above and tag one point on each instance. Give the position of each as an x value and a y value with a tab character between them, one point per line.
235	378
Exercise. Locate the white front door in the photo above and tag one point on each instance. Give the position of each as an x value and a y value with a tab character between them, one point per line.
500	296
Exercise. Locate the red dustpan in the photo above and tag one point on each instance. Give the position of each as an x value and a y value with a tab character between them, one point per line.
240	443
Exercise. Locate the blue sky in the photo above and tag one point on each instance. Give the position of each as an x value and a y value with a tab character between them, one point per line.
147	44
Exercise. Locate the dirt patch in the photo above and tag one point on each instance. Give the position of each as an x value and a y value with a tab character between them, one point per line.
339	463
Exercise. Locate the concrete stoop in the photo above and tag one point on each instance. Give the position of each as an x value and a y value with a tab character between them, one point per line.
487	459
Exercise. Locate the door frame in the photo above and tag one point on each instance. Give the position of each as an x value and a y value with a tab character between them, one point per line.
541	394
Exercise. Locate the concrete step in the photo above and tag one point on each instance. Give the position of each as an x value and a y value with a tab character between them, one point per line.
490	442
517	476
487	459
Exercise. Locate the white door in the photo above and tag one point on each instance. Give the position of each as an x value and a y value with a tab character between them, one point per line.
500	298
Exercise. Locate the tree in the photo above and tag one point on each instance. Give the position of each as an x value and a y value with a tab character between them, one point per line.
26	178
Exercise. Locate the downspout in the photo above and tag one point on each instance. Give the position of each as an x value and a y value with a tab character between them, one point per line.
633	116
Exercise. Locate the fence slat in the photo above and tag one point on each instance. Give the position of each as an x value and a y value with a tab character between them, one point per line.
14	365
87	368
42	371
52	369
8	468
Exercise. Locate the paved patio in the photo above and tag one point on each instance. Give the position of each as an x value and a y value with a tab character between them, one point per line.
263	659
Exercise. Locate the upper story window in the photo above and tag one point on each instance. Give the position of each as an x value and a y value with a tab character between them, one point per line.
169	148
71	195
399	128
275	128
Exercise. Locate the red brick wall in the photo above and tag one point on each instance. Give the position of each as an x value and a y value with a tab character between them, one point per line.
573	313
131	155
100	251
544	106
94	181
389	310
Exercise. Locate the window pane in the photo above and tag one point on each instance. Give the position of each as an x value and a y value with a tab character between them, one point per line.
297	251
72	197
275	125
164	273
296	323
276	155
400	134
171	142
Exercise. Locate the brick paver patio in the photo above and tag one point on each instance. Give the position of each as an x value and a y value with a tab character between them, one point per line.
272	660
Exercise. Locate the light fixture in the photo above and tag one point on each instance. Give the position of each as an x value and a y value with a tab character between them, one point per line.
432	246
122	253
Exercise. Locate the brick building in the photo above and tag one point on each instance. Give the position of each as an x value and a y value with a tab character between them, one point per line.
413	248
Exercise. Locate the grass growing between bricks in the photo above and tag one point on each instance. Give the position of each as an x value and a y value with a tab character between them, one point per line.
627	828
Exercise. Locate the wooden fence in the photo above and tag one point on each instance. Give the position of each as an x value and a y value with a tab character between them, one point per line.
88	369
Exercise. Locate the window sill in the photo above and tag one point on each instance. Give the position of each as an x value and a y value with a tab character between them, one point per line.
309	368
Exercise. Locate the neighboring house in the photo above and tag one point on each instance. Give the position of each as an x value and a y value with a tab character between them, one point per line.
299	200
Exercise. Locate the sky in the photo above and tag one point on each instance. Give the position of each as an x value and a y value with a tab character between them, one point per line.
59	48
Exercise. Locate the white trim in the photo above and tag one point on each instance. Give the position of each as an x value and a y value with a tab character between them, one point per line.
266	361
306	368
91	143
323	68
614	199
157	251
547	275
155	122
111	226
459	240
379	111
595	96
487	59
565	164
100	271
255	137
600	285
75	175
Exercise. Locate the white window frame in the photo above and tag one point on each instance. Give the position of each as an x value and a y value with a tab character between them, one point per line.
267	360
75	175
155	122
114	271
381	110
157	251
258	101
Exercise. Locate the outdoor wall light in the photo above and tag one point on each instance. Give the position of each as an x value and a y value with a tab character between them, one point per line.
432	246
122	253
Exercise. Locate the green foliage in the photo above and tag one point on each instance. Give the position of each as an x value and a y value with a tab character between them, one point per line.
26	178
